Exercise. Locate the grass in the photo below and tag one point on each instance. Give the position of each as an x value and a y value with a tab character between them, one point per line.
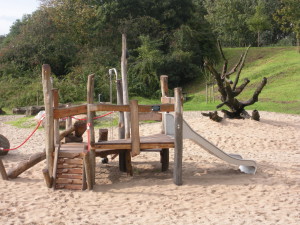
281	66
23	122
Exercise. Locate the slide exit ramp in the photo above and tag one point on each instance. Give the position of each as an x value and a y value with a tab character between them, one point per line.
246	166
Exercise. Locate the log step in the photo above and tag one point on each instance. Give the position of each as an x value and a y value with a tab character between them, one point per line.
70	170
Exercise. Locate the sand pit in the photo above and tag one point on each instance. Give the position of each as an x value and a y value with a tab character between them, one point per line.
213	192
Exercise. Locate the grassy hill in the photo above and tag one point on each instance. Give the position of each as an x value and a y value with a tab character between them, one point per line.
281	65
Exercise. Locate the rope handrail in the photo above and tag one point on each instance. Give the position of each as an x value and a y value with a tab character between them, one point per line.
38	125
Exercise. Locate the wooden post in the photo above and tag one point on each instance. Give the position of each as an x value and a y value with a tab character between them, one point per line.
56	121
88	171
135	134
125	85
47	178
49	121
90	100
177	174
69	119
3	171
164	93
103	135
121	131
164	85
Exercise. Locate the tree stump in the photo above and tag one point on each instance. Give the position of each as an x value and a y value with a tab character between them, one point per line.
4	143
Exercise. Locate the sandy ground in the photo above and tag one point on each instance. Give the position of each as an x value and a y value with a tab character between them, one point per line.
213	192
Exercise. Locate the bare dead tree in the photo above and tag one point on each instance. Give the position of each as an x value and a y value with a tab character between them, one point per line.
229	89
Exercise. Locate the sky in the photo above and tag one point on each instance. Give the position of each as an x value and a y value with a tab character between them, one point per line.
11	10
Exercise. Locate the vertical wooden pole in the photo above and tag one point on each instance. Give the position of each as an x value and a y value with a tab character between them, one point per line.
135	134
164	93
47	178
164	86
56	121
3	171
125	85
177	174
49	120
121	131
69	119
88	171
90	100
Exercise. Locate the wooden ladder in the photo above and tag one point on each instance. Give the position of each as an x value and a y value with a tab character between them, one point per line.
68	172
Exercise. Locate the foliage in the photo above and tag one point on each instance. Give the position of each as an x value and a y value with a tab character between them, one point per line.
259	22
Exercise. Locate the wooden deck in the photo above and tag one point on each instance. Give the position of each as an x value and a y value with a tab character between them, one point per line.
157	141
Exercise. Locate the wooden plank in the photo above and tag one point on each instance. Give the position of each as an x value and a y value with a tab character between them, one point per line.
68	181
70	111
70	171
69	186
70	155
105	152
167	100
69	176
68	166
163	108
177	174
74	161
150	116
49	120
109	107
135	133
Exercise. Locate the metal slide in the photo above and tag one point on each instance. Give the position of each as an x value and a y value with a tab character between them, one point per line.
246	166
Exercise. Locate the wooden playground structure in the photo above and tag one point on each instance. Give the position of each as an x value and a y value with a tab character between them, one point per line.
72	165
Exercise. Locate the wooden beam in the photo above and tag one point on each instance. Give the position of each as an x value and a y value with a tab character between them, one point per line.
109	107
27	164
70	111
177	174
135	134
49	120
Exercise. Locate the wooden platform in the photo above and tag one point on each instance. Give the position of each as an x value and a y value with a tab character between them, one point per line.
157	141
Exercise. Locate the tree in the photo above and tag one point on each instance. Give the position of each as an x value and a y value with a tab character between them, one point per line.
259	22
229	89
288	16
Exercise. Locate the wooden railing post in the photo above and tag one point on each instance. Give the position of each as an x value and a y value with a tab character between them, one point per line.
56	121
90	122
135	134
125	84
122	155
177	174
49	121
164	86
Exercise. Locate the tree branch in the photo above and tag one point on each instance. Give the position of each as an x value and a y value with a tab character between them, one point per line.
240	69
256	93
224	70
239	89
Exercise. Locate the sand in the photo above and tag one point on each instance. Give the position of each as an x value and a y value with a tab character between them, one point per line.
213	191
